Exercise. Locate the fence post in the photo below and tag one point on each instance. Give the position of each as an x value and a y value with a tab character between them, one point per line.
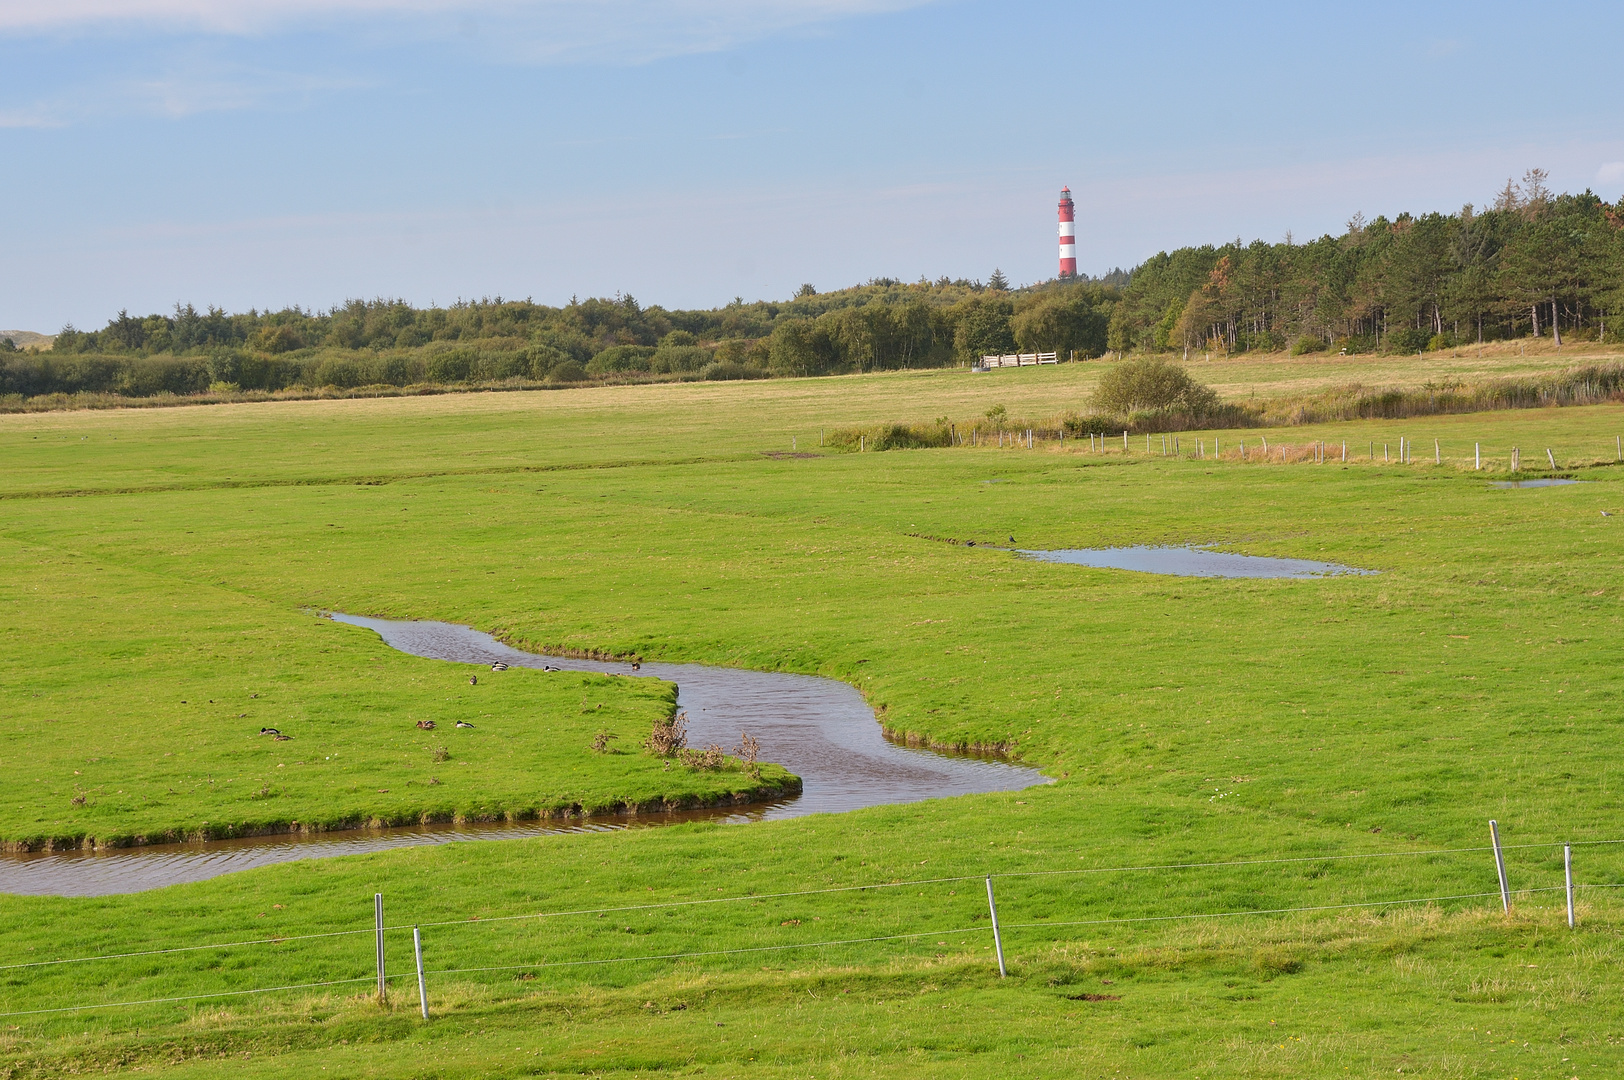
1477	455
1124	438
377	918
997	938
1500	866
422	990
1567	874
1437	453
1551	456
1618	446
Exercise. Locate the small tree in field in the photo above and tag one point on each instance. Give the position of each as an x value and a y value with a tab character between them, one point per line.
1151	384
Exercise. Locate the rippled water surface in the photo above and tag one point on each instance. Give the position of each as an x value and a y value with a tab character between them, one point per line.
1193	562
1546	482
820	729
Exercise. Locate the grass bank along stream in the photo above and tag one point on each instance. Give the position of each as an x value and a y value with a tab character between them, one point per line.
1185	720
169	747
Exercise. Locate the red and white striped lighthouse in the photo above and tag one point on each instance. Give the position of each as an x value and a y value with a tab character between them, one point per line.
1068	236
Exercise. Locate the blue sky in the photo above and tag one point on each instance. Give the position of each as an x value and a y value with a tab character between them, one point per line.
271	152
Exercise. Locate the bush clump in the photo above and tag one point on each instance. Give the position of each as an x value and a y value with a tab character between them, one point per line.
567	372
894	436
1152	385
721	370
620	358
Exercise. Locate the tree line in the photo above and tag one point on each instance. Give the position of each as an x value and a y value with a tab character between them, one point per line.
882	325
1533	263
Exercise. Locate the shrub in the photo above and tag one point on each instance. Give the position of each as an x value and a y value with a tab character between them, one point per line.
895	436
567	372
452	366
1407	339
668	358
727	369
1093	424
1265	341
668	736
1152	384
618	358
1440	341
1308	343
542	359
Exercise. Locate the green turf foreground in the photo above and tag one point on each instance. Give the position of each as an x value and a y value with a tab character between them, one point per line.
1362	728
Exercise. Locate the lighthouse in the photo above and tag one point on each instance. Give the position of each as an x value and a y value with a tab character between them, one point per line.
1068	236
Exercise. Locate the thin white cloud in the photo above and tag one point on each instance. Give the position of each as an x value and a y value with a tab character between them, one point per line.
179	91
218	16
1610	175
548	28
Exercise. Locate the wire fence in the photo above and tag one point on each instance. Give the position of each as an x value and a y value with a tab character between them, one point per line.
992	928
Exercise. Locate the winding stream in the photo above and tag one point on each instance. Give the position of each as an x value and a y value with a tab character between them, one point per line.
820	729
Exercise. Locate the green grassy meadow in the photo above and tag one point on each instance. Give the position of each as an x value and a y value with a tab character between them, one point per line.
157	557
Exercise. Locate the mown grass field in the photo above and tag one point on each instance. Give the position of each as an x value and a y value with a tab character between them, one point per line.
160	556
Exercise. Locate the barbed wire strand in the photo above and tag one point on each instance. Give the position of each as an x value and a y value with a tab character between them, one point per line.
201	997
189	948
1278	911
803	892
709	952
801	945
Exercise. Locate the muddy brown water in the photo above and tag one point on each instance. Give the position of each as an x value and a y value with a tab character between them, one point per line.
820	729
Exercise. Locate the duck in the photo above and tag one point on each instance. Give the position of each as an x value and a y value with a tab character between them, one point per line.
549	667
279	737
269	731
499	666
636	666
426	725
464	723
473	680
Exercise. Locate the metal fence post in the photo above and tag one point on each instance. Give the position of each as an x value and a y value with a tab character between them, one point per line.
1500	866
422	990
997	938
377	918
1567	874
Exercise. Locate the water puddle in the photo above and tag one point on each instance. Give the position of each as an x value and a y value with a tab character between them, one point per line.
1192	562
1553	482
820	729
